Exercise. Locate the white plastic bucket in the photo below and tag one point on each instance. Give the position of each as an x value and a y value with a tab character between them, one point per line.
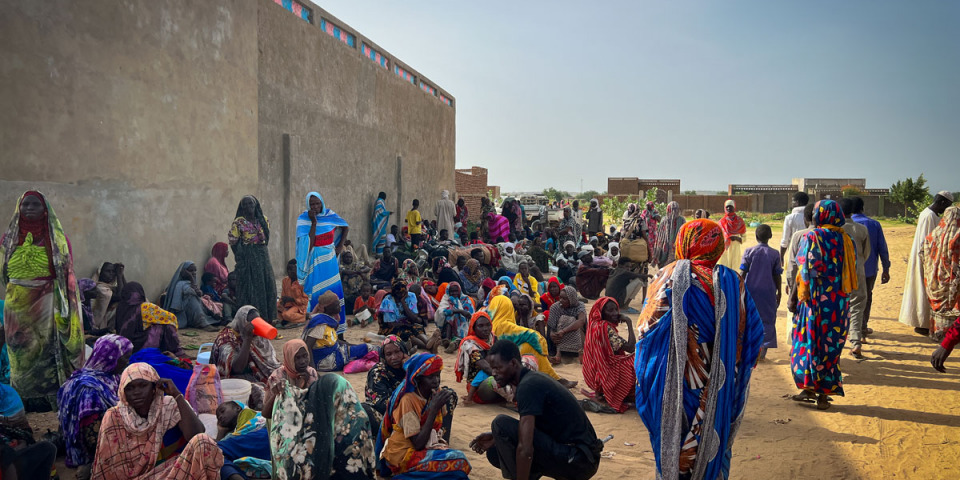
235	389
209	422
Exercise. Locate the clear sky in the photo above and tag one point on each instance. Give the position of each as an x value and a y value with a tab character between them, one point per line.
711	92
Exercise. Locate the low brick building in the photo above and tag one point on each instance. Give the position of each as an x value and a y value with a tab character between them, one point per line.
471	184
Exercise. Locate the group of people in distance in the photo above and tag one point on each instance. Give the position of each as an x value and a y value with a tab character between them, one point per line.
508	300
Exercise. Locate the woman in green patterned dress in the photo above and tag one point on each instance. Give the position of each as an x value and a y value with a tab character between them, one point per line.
43	327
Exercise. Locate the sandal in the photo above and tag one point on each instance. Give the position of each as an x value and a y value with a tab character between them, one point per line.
591	406
822	402
804	396
857	354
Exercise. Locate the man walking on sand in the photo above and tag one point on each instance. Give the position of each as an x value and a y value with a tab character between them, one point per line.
793	222
915	309
858	297
878	255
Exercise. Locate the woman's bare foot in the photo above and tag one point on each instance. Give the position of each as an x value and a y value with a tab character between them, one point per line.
554	360
857	353
434	342
567	383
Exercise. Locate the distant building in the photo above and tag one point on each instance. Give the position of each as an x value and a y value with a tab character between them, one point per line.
471	184
633	186
813	184
734	188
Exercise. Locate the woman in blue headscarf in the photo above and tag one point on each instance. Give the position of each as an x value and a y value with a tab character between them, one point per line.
320	236
699	337
381	217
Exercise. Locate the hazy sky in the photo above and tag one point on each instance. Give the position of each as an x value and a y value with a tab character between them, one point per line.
549	93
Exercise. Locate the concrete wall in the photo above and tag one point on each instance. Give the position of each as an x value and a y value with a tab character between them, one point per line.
348	119
138	119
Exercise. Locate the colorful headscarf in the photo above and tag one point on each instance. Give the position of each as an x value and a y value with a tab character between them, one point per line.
162	413
90	391
941	263
248	421
472	340
828	219
421	364
504	319
701	242
472	271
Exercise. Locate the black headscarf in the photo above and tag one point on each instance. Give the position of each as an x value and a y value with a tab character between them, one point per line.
259	217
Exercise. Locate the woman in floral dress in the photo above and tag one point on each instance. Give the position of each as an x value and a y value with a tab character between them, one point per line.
319	429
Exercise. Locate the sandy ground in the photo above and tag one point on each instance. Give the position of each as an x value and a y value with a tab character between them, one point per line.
898	420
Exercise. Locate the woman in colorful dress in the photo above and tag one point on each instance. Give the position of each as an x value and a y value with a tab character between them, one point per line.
319	428
146	324
86	397
381	218
453	314
387	374
608	357
826	274
568	317
140	436
505	327
650	218
733	230
397	315
42	322
217	265
320	236
412	438
471	361
249	237
666	236
498	228
686	345
941	272
238	353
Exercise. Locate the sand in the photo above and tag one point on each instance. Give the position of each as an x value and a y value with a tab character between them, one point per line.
899	418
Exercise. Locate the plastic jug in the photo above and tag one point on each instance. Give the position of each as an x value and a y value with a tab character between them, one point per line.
203	354
263	329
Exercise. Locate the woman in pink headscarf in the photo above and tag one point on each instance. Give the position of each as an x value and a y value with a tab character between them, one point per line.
217	265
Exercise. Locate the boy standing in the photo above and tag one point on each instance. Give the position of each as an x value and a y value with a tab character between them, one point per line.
761	268
415	224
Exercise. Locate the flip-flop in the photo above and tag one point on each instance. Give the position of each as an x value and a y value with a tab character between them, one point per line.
588	393
804	397
591	406
188	333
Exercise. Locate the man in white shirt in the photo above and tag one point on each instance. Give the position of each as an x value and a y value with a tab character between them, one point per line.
793	223
915	309
858	298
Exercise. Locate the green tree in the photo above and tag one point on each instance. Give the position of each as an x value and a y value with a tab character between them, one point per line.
909	192
586	196
555	195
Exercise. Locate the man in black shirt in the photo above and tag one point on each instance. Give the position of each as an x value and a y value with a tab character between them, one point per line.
553	437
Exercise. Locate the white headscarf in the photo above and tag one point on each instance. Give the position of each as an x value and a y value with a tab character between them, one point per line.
610	255
445	195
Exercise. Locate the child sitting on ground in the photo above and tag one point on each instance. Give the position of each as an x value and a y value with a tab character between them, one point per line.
365	302
292	307
330	353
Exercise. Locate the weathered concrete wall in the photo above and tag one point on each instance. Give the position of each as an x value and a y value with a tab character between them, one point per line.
348	120
137	118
